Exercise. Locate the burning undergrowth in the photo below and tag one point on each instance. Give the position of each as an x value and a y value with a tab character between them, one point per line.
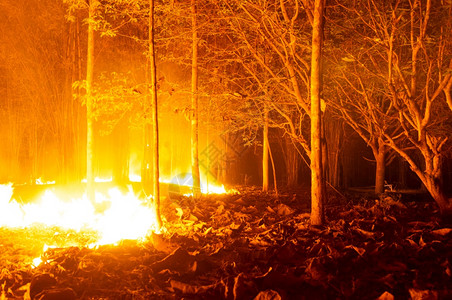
244	246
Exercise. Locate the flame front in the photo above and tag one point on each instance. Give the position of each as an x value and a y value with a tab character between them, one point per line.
114	217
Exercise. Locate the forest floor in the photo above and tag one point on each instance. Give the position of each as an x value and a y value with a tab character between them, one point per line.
245	246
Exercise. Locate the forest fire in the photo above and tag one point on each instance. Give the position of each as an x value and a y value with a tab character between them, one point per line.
116	214
114	217
127	127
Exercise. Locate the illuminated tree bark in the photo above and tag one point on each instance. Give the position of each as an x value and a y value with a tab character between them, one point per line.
380	158
146	171
448	95
89	104
265	147
154	109
275	183
194	106
317	191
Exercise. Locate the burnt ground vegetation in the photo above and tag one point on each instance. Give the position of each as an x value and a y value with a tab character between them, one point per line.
245	246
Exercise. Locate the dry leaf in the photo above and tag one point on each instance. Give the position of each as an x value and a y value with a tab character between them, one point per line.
316	270
358	250
364	233
386	296
268	295
442	231
192	289
284	210
179	212
270	209
421	242
220	210
423	294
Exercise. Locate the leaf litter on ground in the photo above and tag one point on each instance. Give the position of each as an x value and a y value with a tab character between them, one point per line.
245	246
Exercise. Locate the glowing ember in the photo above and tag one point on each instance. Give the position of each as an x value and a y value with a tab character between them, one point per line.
115	216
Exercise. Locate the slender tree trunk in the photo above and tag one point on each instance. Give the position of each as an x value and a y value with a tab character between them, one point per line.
380	157
402	174
275	183
89	105
194	104
77	125
336	140
447	93
154	106
317	191
265	147
147	163
325	162
292	160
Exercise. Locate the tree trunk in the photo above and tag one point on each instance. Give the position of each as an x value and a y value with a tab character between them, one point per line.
324	145
438	194
402	174
431	176
380	157
89	105
317	191
292	160
147	163
265	147
79	111
194	107
334	134
275	183
154	107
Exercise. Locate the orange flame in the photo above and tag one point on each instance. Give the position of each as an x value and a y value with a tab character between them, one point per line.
124	217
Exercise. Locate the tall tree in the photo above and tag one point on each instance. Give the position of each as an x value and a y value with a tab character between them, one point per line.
89	103
365	111
194	105
154	108
317	184
272	46
265	148
414	94
405	49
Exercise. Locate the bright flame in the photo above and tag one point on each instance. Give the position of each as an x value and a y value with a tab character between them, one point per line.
185	179
39	181
99	179
38	260
214	189
123	216
134	177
